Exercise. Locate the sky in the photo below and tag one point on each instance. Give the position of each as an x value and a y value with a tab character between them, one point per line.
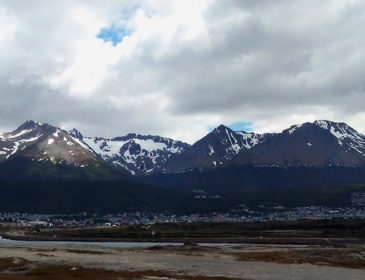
179	68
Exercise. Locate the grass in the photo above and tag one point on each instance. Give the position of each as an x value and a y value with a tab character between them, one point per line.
339	257
81	273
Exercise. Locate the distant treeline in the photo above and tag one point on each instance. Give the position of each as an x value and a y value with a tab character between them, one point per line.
124	196
36	187
284	232
246	176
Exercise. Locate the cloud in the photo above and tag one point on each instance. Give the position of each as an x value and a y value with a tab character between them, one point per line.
178	68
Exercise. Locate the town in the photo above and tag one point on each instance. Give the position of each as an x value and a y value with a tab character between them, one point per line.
241	213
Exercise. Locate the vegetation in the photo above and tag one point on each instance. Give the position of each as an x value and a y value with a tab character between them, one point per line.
69	196
319	232
49	272
237	177
25	169
41	187
340	257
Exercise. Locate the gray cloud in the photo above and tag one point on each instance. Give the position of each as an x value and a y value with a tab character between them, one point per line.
182	71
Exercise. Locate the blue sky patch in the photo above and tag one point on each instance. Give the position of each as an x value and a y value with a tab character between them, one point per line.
113	34
118	30
239	126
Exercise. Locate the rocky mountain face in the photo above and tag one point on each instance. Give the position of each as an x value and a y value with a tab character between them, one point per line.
45	143
321	143
346	136
318	144
138	154
219	148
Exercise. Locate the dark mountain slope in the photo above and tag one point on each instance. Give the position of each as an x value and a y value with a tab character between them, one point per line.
305	145
216	149
236	177
321	143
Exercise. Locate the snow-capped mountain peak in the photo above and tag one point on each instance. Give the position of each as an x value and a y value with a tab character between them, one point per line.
321	143
76	134
139	154
217	148
237	140
44	142
345	135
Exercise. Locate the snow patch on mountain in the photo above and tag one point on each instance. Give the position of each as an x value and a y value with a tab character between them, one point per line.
149	145
15	149
250	139
138	154
346	135
293	128
55	134
106	148
211	150
20	133
321	123
32	139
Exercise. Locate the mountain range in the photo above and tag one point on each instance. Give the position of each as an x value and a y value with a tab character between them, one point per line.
44	168
318	144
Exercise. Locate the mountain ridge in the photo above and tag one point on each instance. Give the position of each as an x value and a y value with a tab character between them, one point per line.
318	143
40	150
136	153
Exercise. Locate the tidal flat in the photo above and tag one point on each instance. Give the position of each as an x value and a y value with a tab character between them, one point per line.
189	261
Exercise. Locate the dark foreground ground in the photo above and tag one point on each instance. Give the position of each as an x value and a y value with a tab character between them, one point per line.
308	249
190	262
305	232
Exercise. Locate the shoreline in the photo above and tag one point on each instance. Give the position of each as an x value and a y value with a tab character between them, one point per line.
192	241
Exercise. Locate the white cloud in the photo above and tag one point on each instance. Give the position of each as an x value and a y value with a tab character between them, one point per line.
185	66
8	26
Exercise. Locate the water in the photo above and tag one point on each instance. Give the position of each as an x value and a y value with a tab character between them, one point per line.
107	244
101	244
126	244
